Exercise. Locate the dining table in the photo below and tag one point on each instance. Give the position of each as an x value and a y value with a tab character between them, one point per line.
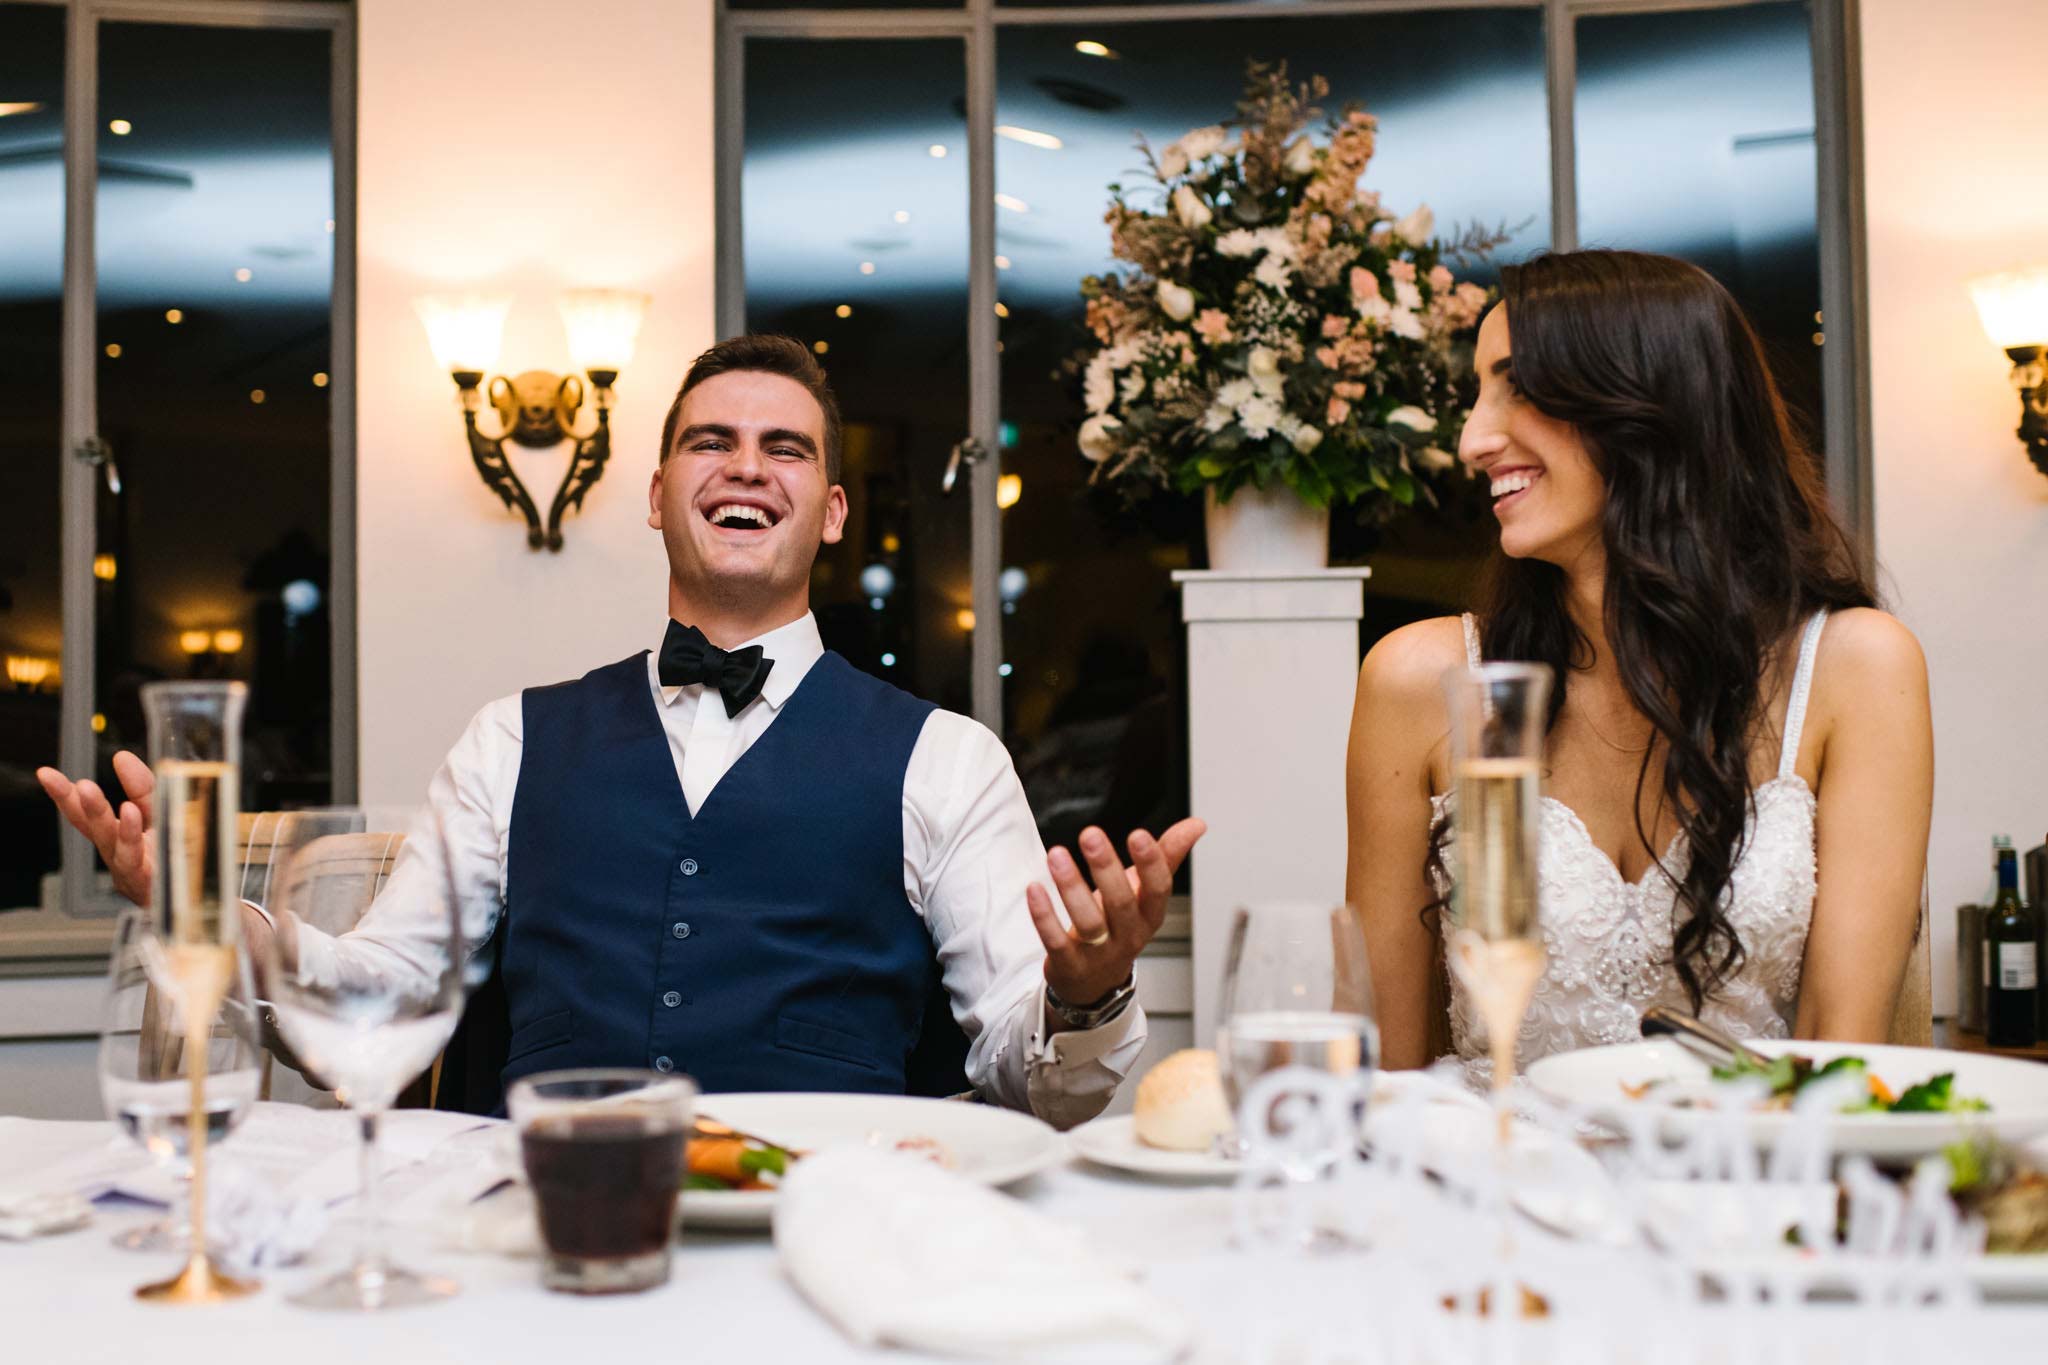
68	1296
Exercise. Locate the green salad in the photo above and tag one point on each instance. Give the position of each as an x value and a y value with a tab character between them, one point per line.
1789	1073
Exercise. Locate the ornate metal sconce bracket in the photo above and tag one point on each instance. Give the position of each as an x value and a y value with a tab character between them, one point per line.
538	409
2030	377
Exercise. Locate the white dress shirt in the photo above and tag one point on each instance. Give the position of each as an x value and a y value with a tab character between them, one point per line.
970	847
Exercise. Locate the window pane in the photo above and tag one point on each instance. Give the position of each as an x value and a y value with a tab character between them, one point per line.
856	241
31	445
1695	138
1094	643
215	260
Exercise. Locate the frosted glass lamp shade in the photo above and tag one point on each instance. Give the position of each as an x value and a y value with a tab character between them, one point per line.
2014	306
465	330
603	327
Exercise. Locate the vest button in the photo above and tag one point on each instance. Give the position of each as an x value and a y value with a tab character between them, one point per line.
672	999
664	1064
689	866
680	929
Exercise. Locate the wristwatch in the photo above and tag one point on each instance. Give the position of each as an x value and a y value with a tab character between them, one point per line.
1098	1013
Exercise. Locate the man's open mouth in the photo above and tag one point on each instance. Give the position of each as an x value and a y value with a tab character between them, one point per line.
740	516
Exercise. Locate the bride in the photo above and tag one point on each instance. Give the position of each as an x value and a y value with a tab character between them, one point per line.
1739	766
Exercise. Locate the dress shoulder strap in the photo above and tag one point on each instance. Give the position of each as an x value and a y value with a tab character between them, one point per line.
1802	688
1471	639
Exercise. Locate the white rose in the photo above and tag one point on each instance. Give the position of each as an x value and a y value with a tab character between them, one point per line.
1098	437
1236	393
1307	438
1237	242
1407	293
1273	272
1402	322
1203	142
1098	383
1301	156
1275	242
1264	367
1176	301
1173	161
1189	208
1435	457
1413	418
1375	309
1217	417
1417	226
1258	417
1132	389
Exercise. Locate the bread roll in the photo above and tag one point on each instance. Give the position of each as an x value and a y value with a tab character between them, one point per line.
1180	1105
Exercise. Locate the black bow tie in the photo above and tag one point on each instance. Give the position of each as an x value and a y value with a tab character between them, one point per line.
687	658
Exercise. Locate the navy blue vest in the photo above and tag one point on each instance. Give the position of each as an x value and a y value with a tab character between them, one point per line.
766	943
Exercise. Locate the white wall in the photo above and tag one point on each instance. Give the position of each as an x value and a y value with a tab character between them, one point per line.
1954	188
522	146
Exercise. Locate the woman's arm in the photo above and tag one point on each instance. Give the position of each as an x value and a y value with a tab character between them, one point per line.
1397	724
1876	794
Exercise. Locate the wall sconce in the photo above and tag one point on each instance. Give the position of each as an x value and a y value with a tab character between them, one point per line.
27	672
209	649
536	408
2014	310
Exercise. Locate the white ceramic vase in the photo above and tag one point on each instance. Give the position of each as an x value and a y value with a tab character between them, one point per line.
1266	530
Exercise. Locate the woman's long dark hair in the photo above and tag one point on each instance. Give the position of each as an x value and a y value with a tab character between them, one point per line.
1719	539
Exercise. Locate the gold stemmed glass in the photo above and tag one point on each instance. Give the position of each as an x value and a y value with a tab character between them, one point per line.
193	954
1499	714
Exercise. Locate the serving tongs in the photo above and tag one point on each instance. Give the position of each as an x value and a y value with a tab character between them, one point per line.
1701	1039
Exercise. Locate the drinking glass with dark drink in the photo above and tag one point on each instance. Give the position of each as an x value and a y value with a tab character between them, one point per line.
604	1154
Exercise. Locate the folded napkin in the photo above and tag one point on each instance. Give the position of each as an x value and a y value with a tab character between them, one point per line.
898	1252
53	1171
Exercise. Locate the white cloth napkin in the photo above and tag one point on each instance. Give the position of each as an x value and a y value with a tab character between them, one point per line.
53	1170
899	1252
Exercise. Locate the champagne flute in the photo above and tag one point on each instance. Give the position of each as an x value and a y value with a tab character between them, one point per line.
1499	716
365	977
145	1076
1296	993
193	952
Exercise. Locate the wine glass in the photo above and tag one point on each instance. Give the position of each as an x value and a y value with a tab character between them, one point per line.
1499	716
145	1076
1296	993
365	975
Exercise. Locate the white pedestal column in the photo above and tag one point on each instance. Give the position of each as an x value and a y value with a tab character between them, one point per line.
1272	668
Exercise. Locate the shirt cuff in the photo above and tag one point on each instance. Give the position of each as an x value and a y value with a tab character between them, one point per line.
1074	1047
265	915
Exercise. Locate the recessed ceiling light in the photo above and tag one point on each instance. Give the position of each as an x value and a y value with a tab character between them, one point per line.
113	350
821	346
120	127
1002	309
1088	47
257	395
20	107
320	379
867	267
1002	262
244	275
844	310
174	316
903	215
937	149
1012	203
1030	137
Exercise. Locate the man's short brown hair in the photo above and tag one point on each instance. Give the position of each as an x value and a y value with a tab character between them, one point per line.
767	353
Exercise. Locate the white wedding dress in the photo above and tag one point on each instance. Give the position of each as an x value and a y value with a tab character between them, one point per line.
1609	940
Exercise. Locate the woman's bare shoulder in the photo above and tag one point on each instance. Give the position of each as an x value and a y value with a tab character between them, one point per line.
1407	665
1863	650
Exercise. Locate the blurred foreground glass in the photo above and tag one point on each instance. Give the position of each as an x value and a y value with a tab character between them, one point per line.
1499	715
364	997
604	1155
145	1072
1296	993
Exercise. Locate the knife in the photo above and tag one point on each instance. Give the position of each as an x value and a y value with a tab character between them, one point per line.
1702	1040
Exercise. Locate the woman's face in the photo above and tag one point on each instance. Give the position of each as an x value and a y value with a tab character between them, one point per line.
1547	494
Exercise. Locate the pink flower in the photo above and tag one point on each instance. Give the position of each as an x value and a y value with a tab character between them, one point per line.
1334	326
1364	284
1439	279
1326	356
1349	389
1335	414
1213	326
1401	270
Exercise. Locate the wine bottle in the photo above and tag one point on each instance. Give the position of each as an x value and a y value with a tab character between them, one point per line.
2012	984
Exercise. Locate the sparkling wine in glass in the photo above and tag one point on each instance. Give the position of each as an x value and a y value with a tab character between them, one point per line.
365	974
1499	715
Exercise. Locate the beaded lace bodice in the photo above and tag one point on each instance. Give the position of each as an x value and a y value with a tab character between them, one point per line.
1609	939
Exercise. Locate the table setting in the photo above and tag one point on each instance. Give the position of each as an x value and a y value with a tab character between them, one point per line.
1275	1199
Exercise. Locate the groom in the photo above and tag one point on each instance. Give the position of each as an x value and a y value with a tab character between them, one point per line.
734	854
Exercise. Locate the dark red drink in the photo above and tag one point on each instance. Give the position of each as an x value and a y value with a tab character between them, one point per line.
606	1188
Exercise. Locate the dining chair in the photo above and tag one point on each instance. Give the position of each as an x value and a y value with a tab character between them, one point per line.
1913	1011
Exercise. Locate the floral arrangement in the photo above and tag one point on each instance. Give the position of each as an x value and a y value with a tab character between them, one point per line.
1279	325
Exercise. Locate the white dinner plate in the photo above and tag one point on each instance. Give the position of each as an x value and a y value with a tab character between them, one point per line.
987	1144
1113	1142
2017	1092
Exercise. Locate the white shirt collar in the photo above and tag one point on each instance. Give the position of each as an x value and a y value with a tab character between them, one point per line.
794	648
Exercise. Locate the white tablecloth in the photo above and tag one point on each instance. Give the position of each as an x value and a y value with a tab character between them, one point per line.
67	1297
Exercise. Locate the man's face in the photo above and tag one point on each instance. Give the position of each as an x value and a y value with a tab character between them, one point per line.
741	498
